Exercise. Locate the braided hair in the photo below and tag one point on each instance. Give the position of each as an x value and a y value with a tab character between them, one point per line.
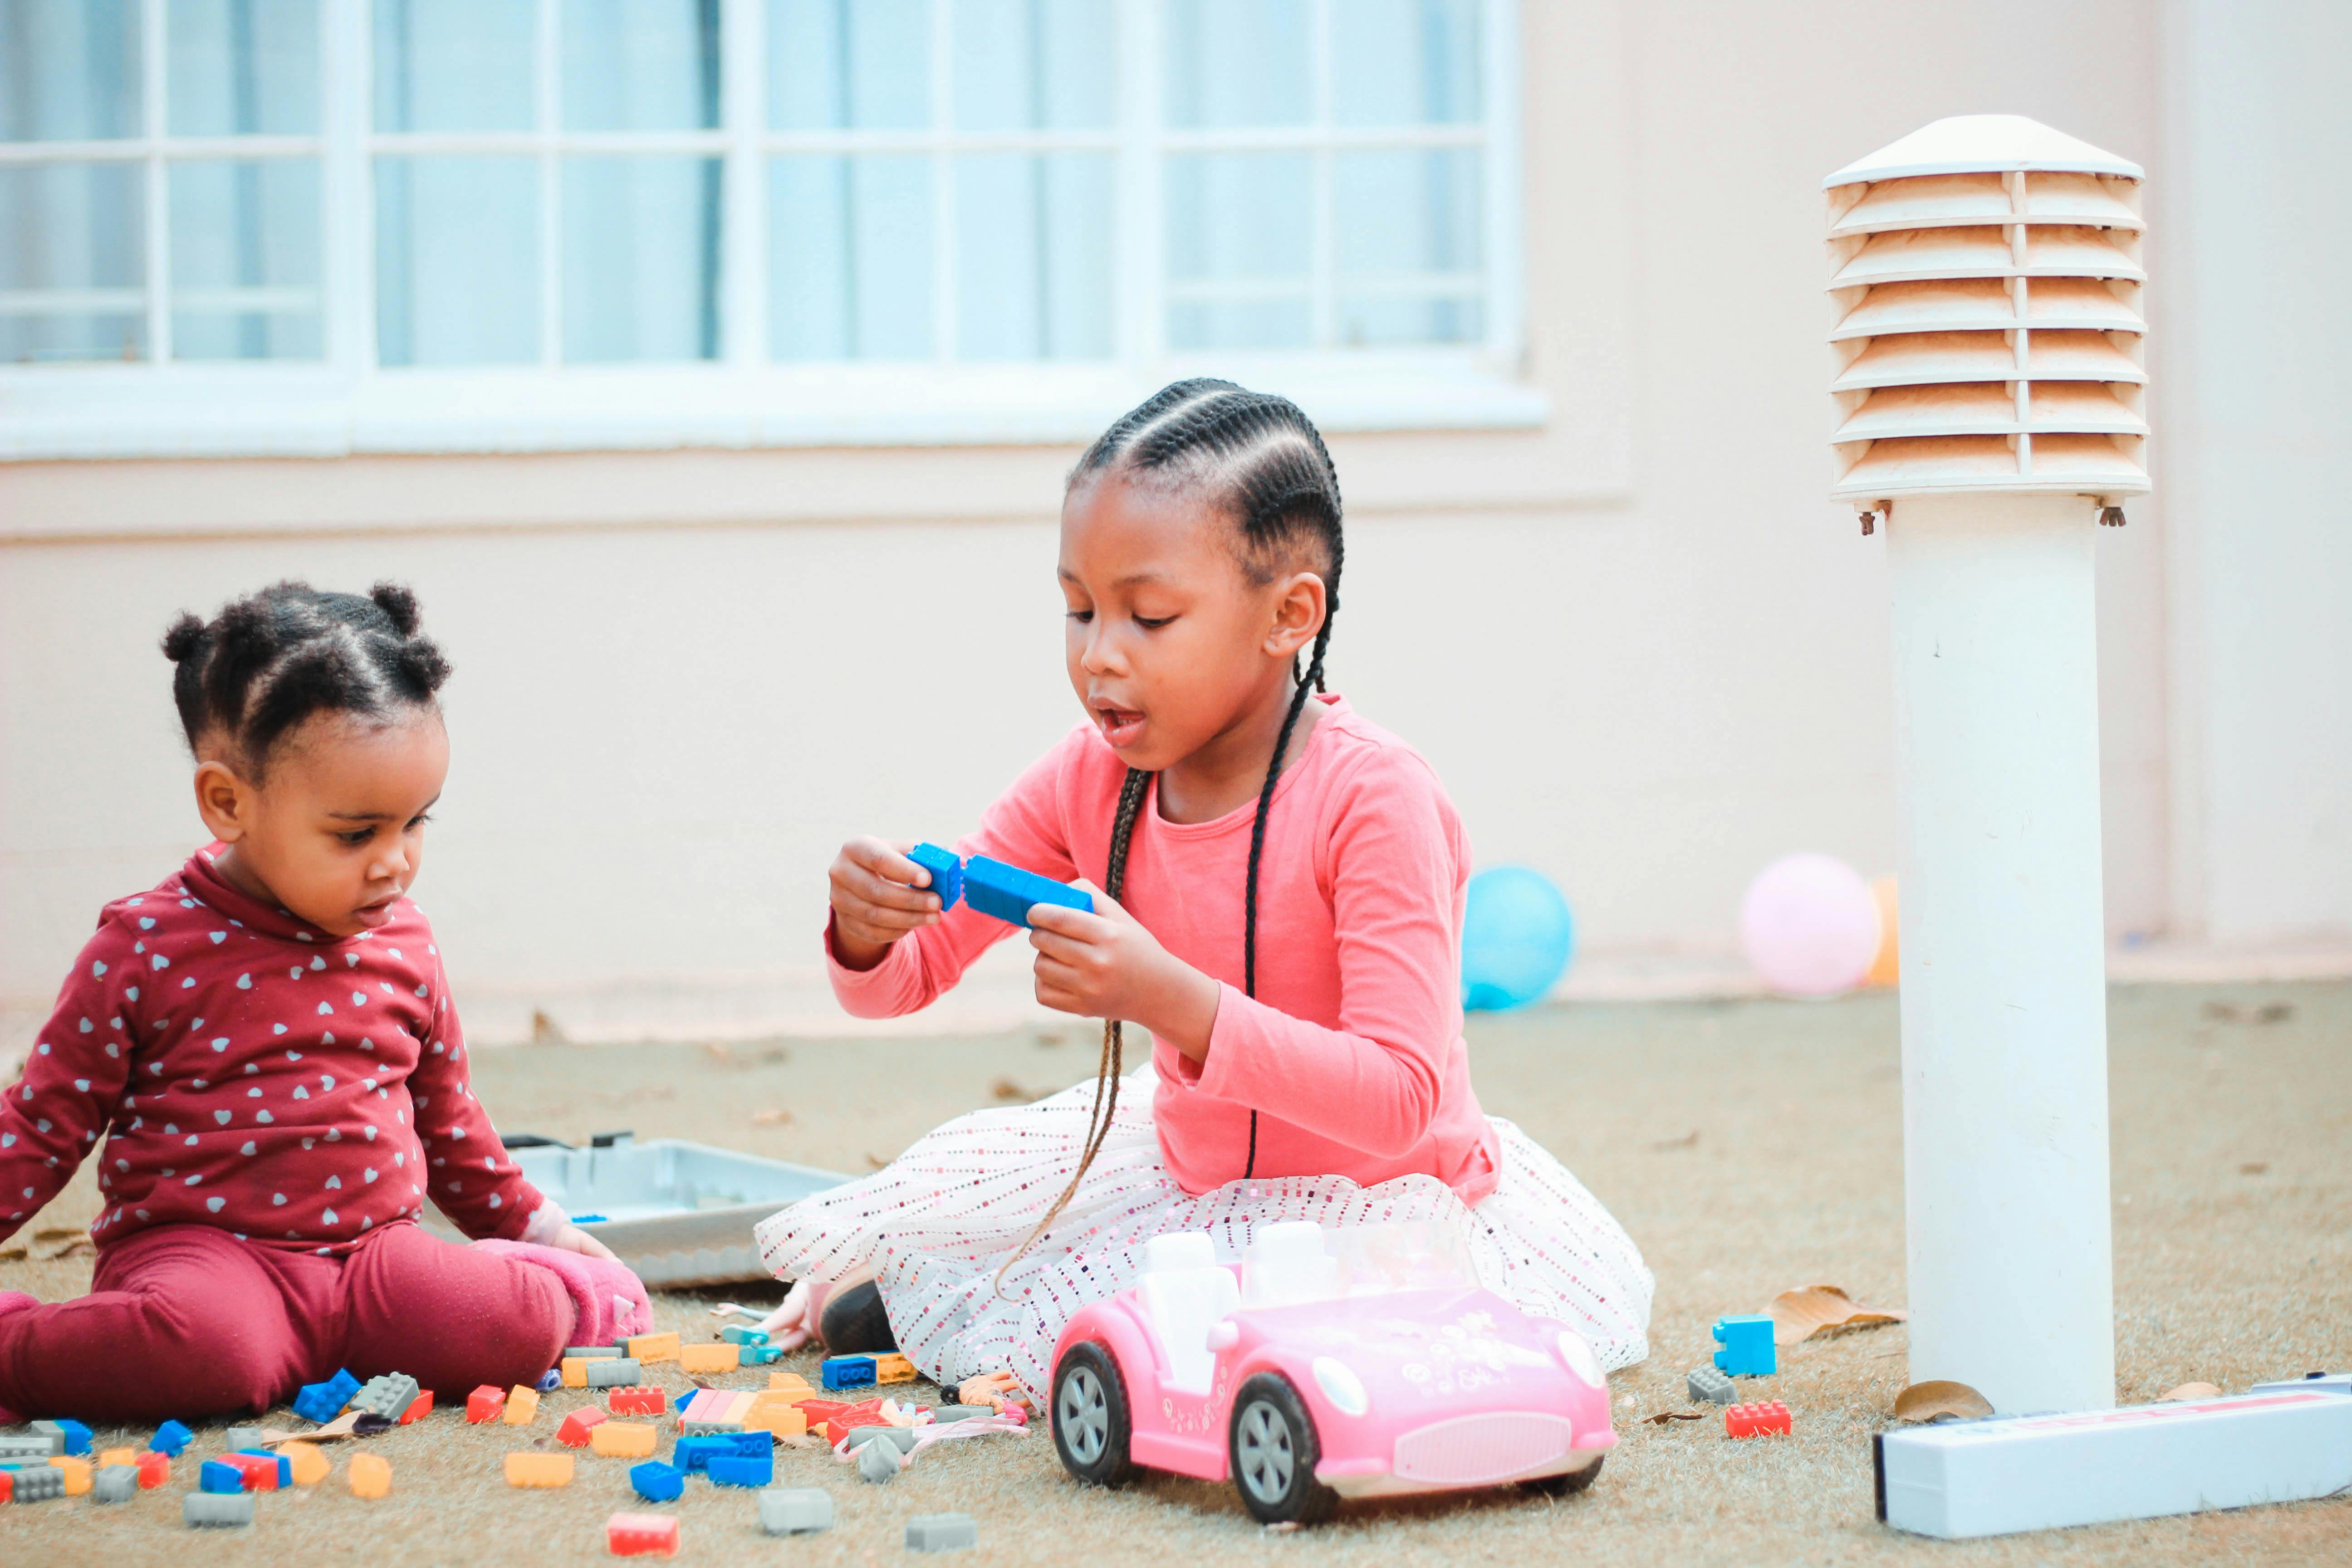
268	662
1259	460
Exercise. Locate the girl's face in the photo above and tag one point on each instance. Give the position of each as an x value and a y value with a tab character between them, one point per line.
336	831
1171	646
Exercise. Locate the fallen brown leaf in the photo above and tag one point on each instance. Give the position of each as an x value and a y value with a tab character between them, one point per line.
775	1116
1663	1416
1797	1315
1688	1141
10	1251
2191	1391
1940	1401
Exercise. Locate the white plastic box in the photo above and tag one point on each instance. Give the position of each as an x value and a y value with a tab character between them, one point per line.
2040	1472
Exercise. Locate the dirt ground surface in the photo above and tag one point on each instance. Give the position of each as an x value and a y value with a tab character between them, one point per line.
1749	1147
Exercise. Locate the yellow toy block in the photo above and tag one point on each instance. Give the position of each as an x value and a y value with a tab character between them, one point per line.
371	1475
118	1457
522	1406
790	1383
310	1465
653	1347
892	1367
76	1474
776	1420
539	1469
709	1358
622	1439
575	1371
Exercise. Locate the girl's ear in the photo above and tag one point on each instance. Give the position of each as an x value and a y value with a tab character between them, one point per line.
224	800
1299	610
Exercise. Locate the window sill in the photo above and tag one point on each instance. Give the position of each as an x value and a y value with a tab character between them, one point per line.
185	411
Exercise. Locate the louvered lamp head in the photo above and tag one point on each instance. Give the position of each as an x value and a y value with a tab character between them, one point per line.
1985	279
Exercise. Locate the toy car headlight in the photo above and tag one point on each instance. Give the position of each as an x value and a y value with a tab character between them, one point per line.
1580	1357
1342	1386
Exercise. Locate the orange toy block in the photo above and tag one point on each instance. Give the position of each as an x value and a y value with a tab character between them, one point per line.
892	1367
370	1475
154	1470
420	1410
643	1400
622	1439
776	1420
311	1466
790	1383
709	1358
522	1406
646	1348
539	1469
641	1535
484	1404
575	1371
573	1433
118	1457
76	1474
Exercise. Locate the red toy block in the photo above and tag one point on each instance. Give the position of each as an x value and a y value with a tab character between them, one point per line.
573	1433
8	1484
420	1410
154	1470
641	1535
260	1474
639	1401
485	1404
1756	1420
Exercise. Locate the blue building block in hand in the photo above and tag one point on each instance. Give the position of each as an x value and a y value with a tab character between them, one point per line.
1009	893
1747	1344
170	1438
947	872
657	1482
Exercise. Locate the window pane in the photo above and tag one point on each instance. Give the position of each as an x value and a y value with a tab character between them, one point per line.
1239	239
457	261
640	65
849	65
1033	255
1409	249
1238	62
245	260
71	262
850	257
242	67
1405	62
640	259
1035	65
453	64
68	69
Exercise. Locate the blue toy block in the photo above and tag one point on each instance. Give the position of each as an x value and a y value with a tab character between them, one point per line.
589	1219
657	1482
693	1454
170	1438
217	1477
736	1334
322	1402
748	1444
1009	893
77	1436
761	1355
846	1370
285	1465
947	872
550	1380
1748	1349
742	1470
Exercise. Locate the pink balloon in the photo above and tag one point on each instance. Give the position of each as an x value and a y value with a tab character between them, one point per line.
1809	926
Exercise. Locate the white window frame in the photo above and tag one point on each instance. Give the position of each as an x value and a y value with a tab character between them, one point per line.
346	404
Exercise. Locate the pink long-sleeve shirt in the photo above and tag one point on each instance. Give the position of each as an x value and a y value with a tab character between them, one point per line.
1352	1053
249	1072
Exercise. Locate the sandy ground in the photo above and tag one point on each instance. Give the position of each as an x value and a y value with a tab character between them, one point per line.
1749	1147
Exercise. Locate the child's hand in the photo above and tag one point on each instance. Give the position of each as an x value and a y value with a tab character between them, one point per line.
570	1238
878	896
1105	965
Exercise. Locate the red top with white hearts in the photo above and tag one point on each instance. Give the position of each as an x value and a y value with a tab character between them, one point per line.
252	1073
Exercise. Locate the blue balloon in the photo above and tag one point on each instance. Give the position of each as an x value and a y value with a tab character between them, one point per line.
1516	936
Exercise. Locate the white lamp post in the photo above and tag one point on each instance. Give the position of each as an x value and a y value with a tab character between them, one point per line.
1985	272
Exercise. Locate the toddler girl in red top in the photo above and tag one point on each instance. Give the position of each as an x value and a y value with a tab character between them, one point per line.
264	1041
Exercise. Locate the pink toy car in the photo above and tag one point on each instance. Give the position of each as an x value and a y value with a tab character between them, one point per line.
1366	1367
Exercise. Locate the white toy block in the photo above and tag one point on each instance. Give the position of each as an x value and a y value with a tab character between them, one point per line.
2044	1472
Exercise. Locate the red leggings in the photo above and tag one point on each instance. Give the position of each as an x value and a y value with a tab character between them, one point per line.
184	1321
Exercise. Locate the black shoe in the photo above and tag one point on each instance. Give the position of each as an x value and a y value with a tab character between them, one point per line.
853	1322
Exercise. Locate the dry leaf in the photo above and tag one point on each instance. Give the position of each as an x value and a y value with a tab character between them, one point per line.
1663	1416
1688	1141
2191	1391
1005	1088
775	1116
50	1244
1940	1401
546	1031
1797	1315
10	1251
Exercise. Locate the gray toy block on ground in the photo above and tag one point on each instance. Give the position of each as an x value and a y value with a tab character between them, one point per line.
707	1428
388	1396
39	1484
115	1483
902	1436
878	1462
1711	1385
617	1372
591	1352
241	1437
200	1510
961	1412
53	1435
796	1510
26	1445
942	1531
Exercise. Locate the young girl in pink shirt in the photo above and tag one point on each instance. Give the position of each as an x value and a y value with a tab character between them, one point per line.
1280	904
265	1043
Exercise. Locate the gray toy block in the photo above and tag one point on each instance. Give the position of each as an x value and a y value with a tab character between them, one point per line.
388	1396
942	1531
28	1446
54	1435
707	1428
591	1352
902	1438
961	1412
39	1484
795	1510
216	1509
615	1371
878	1462
241	1437
1711	1385
115	1483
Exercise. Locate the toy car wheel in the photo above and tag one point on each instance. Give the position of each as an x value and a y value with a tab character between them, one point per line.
1567	1484
1273	1448
1091	1423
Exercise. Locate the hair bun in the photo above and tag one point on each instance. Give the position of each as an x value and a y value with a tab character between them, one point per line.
185	639
421	663
396	602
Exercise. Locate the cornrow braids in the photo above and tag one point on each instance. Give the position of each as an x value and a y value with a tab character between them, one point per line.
269	661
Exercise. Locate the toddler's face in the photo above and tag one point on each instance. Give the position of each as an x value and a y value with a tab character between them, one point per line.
335	832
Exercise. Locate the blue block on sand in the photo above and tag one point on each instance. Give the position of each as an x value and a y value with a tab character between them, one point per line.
739	1470
170	1438
1009	893
77	1436
217	1477
322	1402
846	1372
947	872
657	1482
693	1454
1747	1344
